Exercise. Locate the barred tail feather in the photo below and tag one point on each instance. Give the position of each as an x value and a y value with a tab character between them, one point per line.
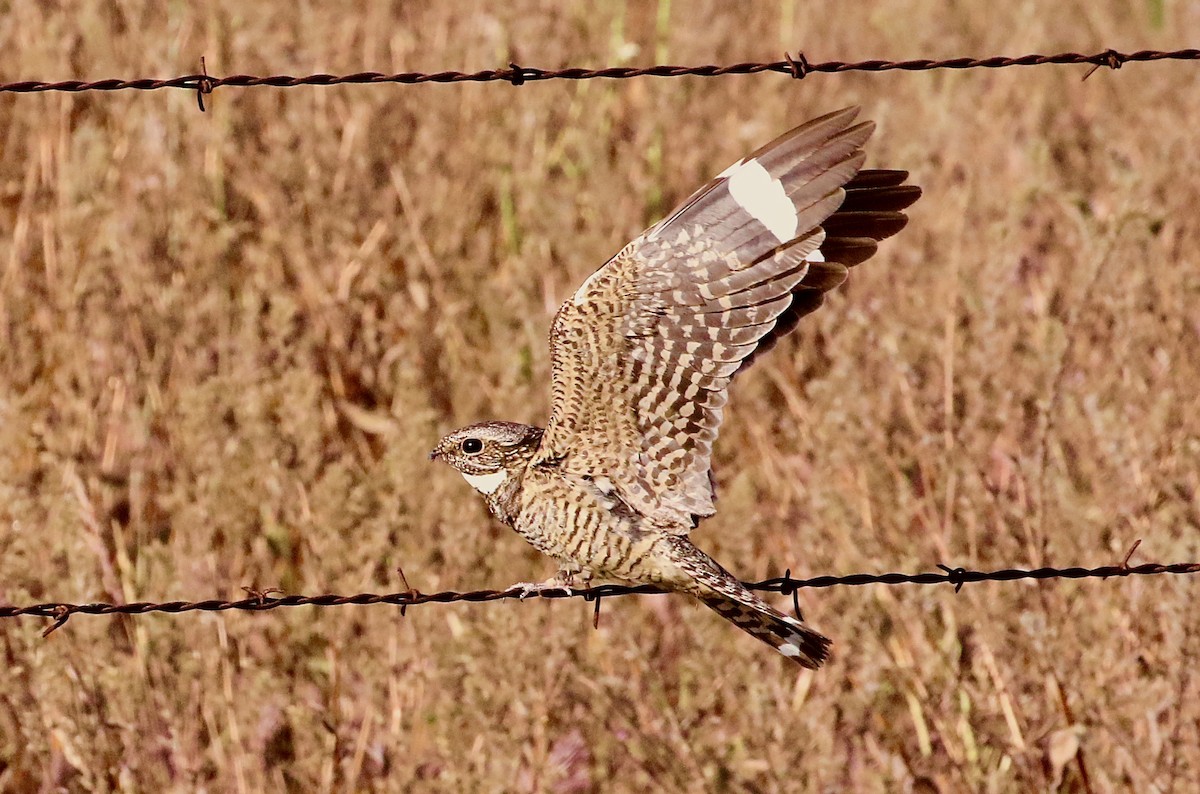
789	636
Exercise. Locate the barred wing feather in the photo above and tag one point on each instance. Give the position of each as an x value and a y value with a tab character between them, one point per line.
644	351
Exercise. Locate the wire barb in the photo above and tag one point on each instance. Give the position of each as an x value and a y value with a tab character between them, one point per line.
262	596
1129	554
1111	58
61	613
409	590
516	74
204	84
796	68
795	594
955	576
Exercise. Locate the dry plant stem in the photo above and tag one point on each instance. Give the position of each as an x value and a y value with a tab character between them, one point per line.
1065	362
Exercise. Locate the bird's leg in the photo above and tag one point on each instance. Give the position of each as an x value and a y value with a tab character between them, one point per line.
563	580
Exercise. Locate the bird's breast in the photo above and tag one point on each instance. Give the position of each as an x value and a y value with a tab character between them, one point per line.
582	520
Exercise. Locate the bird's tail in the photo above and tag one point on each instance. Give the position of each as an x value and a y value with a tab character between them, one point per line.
704	578
791	637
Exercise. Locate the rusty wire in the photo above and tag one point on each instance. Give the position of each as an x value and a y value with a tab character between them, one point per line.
796	67
264	600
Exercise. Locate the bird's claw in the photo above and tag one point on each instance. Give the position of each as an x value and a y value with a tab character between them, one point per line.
527	589
558	582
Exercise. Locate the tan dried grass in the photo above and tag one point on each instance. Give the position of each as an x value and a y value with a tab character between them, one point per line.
228	340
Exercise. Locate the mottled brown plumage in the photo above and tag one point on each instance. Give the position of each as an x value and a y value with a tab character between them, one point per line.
643	354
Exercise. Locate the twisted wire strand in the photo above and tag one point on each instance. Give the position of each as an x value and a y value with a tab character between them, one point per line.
796	67
265	601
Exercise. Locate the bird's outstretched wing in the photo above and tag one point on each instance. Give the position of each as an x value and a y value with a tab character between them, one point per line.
644	351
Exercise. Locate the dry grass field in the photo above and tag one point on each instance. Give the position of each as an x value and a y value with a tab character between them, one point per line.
228	340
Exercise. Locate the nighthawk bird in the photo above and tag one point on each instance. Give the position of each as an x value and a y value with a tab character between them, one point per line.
643	354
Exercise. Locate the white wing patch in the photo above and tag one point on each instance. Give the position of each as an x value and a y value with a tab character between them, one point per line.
486	484
752	187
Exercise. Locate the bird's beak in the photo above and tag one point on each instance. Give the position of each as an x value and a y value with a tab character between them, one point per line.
435	454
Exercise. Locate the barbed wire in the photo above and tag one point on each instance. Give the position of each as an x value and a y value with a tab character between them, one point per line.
265	600
796	67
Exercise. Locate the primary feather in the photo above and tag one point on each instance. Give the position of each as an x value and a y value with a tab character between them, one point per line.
644	351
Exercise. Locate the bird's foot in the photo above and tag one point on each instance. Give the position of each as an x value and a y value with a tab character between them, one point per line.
563	580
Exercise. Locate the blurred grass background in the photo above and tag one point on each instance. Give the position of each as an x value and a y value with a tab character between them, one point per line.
227	342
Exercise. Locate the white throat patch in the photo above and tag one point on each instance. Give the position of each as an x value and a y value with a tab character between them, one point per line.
486	484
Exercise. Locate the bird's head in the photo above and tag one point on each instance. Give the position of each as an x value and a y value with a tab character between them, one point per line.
487	453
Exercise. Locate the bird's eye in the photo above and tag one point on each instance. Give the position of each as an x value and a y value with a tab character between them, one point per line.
472	446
